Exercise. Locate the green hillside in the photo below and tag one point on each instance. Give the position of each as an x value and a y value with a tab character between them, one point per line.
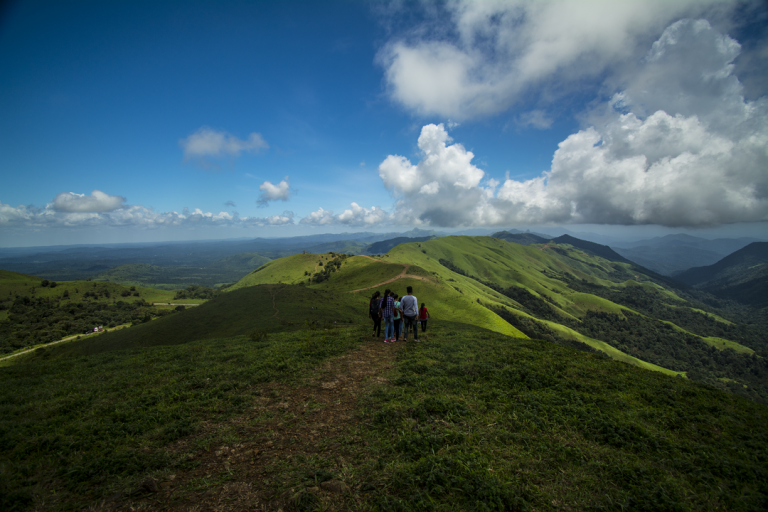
494	407
469	417
255	309
553	291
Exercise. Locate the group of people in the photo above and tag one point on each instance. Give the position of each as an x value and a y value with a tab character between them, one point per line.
399	314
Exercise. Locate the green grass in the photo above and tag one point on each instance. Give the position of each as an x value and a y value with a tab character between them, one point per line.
231	314
360	272
288	270
542	270
478	421
74	430
722	344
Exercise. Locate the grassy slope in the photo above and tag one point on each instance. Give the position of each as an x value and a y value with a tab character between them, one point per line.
231	314
77	429
525	425
288	270
537	268
470	418
451	296
528	266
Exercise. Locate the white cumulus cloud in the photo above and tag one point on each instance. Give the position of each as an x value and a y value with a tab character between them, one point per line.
355	215
679	146
492	53
98	201
271	192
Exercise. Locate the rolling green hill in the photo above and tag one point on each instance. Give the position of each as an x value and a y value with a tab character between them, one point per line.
554	291
488	409
254	309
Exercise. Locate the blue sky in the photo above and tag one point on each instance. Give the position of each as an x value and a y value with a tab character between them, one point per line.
139	121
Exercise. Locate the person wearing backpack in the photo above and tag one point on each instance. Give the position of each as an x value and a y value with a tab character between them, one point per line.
387	309
410	306
374	314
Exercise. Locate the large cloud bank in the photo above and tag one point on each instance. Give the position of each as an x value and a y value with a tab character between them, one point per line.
488	55
677	146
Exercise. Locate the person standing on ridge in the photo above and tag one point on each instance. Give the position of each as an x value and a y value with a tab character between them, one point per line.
387	309
410	306
423	316
398	318
374	314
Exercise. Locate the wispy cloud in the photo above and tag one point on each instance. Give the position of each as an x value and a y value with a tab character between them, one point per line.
207	143
98	201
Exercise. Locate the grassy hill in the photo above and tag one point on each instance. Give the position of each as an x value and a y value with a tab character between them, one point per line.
257	309
554	291
490	409
470	417
520	238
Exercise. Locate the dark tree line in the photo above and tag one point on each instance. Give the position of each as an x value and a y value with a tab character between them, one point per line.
41	320
196	292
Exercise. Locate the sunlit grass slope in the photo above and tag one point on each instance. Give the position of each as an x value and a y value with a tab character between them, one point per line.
543	270
452	296
288	270
264	308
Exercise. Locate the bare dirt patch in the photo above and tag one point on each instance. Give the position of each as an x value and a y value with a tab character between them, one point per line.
306	430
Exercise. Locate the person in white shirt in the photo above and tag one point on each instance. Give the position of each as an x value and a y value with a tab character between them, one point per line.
410	307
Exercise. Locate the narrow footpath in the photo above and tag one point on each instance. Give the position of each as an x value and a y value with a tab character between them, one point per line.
287	427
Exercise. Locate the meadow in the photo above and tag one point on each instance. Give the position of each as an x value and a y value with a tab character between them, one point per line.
468	419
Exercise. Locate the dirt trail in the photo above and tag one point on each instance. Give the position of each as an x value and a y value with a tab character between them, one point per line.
313	419
68	338
399	276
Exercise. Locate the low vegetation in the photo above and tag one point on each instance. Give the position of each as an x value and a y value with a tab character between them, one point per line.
511	401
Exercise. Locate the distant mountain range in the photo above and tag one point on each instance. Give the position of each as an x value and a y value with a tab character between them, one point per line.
671	254
741	276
